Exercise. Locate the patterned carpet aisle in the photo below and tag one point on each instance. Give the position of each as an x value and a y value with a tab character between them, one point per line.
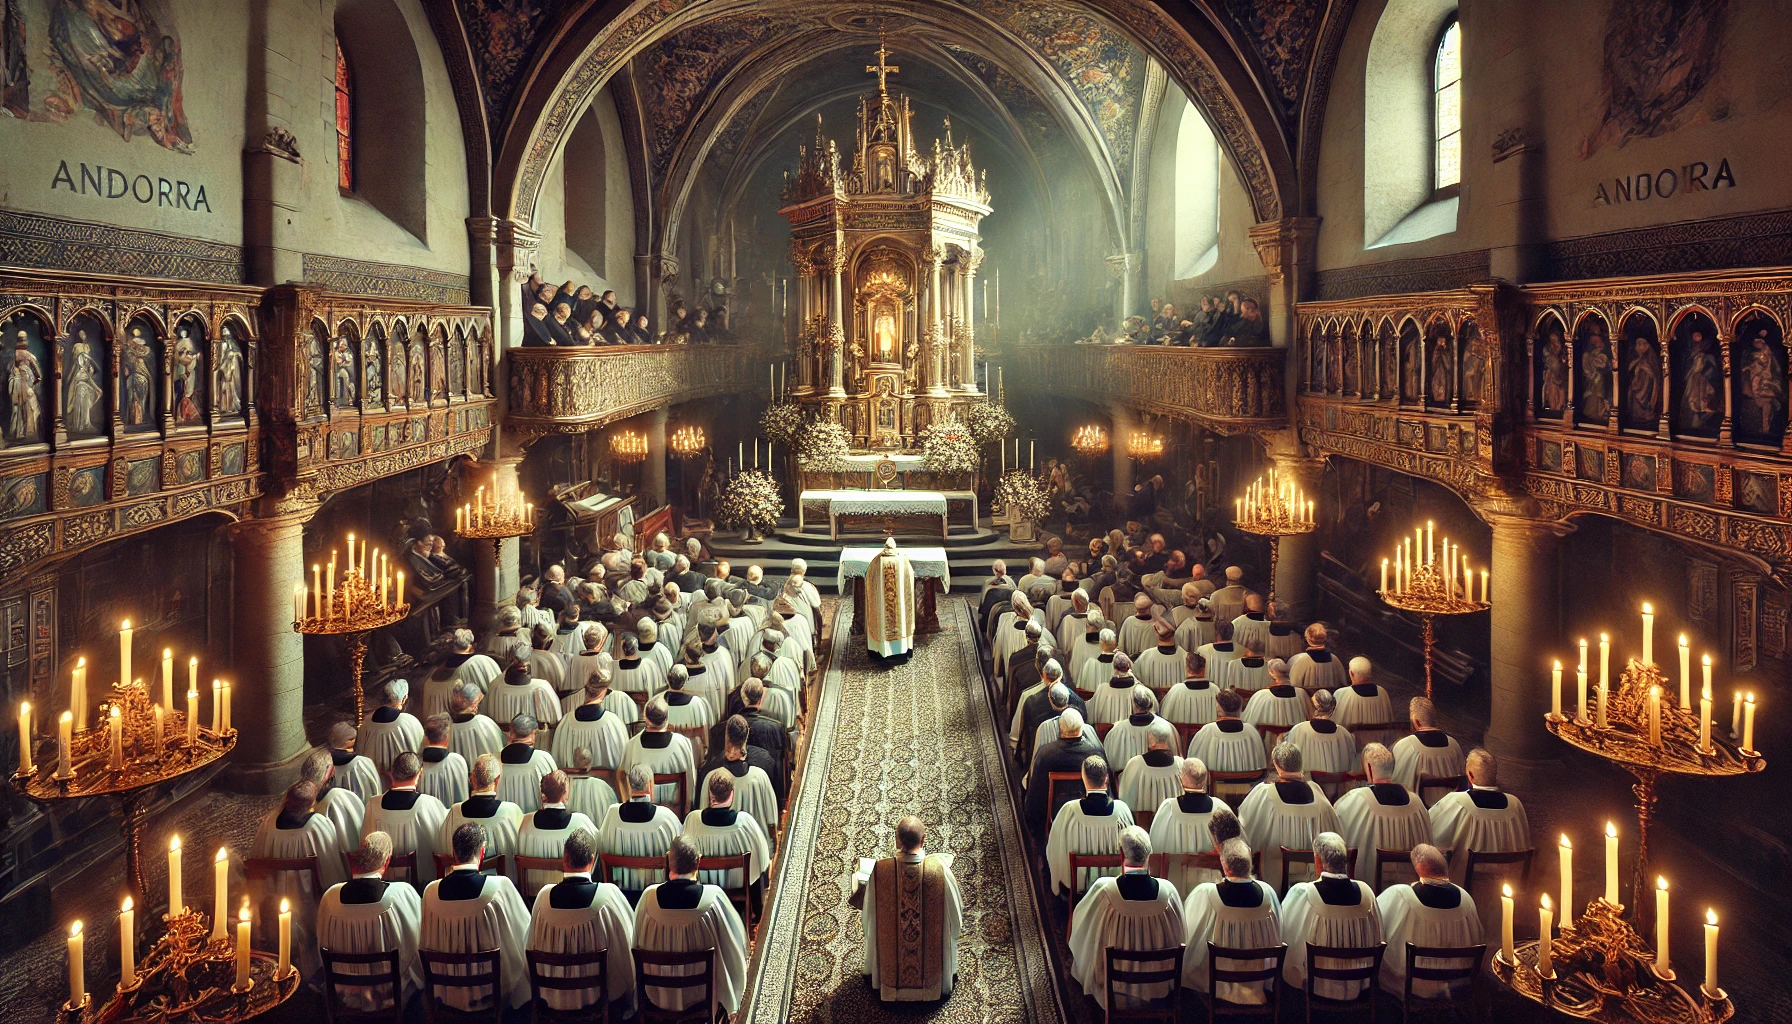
918	738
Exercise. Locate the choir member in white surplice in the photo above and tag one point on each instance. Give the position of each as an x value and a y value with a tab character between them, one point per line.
1099	669
583	664
635	673
528	601
797	628
800	589
1237	912
1333	910
1153	776
659	634
341	806
389	731
1484	819
569	632
1220	654
546	663
1087	826
1429	752
355	773
1279	703
785	672
1060	604
1126	740
470	733
579	914
465	911
712	678
1160	665
508	633
524	765
444	771
688	715
519	693
890	602
1196	631
461	665
750	789
682	915
1283	640
1035	575
499	818
722	829
1131	912
1228	744
1430	912
663	752
911	914
411	820
1113	700
1086	647
1073	624
1383	815
1011	631
368	914
1364	703
638	827
1191	701
1325	746
1180	826
593	726
1248	673
1251	629
294	831
1316	667
591	789
1190	605
1139	632
1287	812
1228	601
544	831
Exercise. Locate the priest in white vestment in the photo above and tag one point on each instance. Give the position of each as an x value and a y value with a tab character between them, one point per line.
1237	912
720	669
634	672
1484	819
355	773
593	726
1285	813
1228	744
1278	704
523	765
470	733
1073	624
1248	673
1228	601
1383	815
1428	752
638	827
1364	703
1430	912
890	595
682	915
1251	629
368	914
583	664
1220	654
461	665
1190	605
1160	665
687	714
663	752
579	914
1139	632
1180	826
722	829
499	818
1011	631
1126	740
1152	776
294	831
390	730
1325	746
1191	701
520	693
411	820
465	911
545	663
508	634
544	831
569	633
911	915
1087	826
1131	912
444	771
1060	603
1316	667
1332	910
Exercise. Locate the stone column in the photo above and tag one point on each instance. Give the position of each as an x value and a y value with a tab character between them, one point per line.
1526	583
933	335
1286	248
1127	268
1298	557
1124	423
837	324
653	471
967	294
645	293
1519	207
497	572
269	658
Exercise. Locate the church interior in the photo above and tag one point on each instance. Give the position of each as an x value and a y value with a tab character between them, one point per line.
866	613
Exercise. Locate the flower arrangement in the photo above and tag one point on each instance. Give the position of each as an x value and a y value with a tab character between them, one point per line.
782	422
1024	496
751	502
990	422
823	445
947	447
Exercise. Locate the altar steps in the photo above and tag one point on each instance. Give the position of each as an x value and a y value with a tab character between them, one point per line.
968	550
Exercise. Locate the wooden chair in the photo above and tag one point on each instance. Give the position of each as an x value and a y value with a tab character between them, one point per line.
1479	857
401	865
1272	735
1343	953
609	862
483	971
681	802
1306	857
1102	729
1344	781
575	979
372	979
706	1009
491	865
699	737
524	865
1080	862
1217	1007
1052	782
1452	783
1387	857
1163	1009
1473	954
1160	862
1143	819
1186	731
742	895
1216	779
262	868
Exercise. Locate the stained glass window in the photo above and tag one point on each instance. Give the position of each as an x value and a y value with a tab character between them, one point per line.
345	163
1446	108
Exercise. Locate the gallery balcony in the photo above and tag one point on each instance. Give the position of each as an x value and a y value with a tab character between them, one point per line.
1227	390
571	390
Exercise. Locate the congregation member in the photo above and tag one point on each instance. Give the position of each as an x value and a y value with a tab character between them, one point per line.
1058	699
343	807
368	914
1228	743
471	734
1332	910
720	829
1227	603
660	751
1192	701
1138	632
1196	630
1086	646
520	693
1149	778
294	830
1428	753
1075	622
1383	815
544	831
1240	911
1251	629
1096	670
1116	695
544	663
1127	739
569	632
911	944
1011	631
1062	601
1023	664
1325	746
508	634
586	662
1364	703
1067	753
1180	827
524	765
750	786
593	726
497	818
1316	667
1482	819
445	772
634	672
466	911
682	915
1248	673
1131	912
1283	640
1285	812
1279	706
637	827
1089	825
1160	665
389	730
1219	654
590	790
688	715
354	772
1432	911
410	820
580	914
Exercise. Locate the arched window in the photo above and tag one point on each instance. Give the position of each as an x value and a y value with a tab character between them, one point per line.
1197	195
345	148
1446	108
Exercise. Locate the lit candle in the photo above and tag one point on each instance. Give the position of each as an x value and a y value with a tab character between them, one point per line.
460	521
77	969
317	590
385	602
124	651
115	739
529	506
1705	723
285	962
242	946
77	691
1736	715
192	677
1483	586
351	555
1661	926
1506	924
330	582
1611	864
1655	716
1685	675
1583	654
161	718
1705	664
1648	634
1711	989
398	588
192	717
1567	849
127	944
64	735
1384	575
1603	692
1430	543
168	671
1555	701
1605	665
220	892
298	603
175	904
1580	682
1748	723
1544	920
227	727
25	765
217	706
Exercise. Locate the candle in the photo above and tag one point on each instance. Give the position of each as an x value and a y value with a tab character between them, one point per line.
217	706
1555	701
242	946
351	555
460	521
1648	634
1506	924
1655	716
330	582
1580	682
1430	543
1661	926
1567	849
1384	575
1711	989
298	603
168	667
127	944
192	677
1736	715
1705	723
1583	654
399	587
1032	455
317	590
220	892
77	691
1544	920
65	733
1705	663
25	765
175	904
192	717
124	651
1685	675
1603	692
1605	664
115	739
1611	864
1483	586
285	962
1748	724
77	977
161	717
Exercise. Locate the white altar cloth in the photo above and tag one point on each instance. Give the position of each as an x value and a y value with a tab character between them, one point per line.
929	563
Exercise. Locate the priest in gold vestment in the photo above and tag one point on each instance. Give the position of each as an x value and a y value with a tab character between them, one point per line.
890	602
912	915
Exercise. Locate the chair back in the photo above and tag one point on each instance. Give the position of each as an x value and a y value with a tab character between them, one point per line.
1383	857
1053	782
681	801
256	869
1102	729
1344	954
1087	695
608	863
1270	974
1081	862
1473	954
526	888
741	895
1216	779
491	865
577	976
1209	861
1272	734
1451	783
699	737
1143	819
402	867
1186	731
482	971
1164	1008
702	1010
1343	781
389	977
1306	856
1477	858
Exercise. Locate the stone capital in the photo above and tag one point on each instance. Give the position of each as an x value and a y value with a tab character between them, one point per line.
1121	262
1284	244
512	244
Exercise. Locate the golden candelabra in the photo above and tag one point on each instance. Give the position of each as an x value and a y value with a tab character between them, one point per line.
149	755
355	608
1273	509
189	977
1089	440
1142	444
1428	586
628	446
1601	969
687	441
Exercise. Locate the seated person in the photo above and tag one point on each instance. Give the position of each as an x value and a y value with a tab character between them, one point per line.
1432	911
1325	746
1132	912
1429	752
1383	815
1153	776
1285	813
1087	826
1484	819
1192	701
1239	911
1332	910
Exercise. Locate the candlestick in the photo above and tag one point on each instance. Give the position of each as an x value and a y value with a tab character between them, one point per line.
1655	716
77	692
175	904
1611	864
1555	701
1583	654
1705	724
1662	962
1648	634
217	706
192	717
1711	990
227	727
1506	925
284	964
64	737
1567	850
127	944
77	968
1544	920
25	765
1736	715
1603	694
1748	724
124	651
168	669
161	718
115	739
1685	675
242	946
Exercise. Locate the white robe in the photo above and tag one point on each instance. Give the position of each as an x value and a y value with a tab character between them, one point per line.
1269	824
785	675
1205	919
502	646
1459	825
590	795
536	698
1083	650
580	668
715	682
1247	674
1413	758
318	838
713	924
1265	708
1126	741
1227	603
478	669
549	666
1404	919
550	843
950	928
746	837
1194	633
605	738
1087	835
380	742
1160	669
644	675
1283	645
890	593
1187	705
1355	711
1219	663
615	702
753	794
1222	751
606	923
1251	632
1137	635
1368	825
390	925
1334	751
650	838
1175	831
1011	636
446	780
500	829
520	784
1069	631
661	652
570	642
496	919
1055	609
477	735
439	687
413	830
1106	920
1309	920
1145	787
677	756
359	776
1308	674
345	810
692	720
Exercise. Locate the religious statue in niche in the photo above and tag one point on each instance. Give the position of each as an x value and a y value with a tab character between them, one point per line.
438	367
342	373
1474	364
396	375
418	388
1552	371
229	393
1390	363
1699	401
83	395
315	372
25	381
1316	349
457	366
1413	364
374	368
137	376
1642	375
1440	380
189	378
1758	366
1593	403
474	365
1352	384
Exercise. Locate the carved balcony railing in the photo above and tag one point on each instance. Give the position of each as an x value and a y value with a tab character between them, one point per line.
1230	391
566	391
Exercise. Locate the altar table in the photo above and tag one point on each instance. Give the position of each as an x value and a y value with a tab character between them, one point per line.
932	572
883	504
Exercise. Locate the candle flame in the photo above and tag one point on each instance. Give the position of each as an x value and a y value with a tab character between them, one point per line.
1661	883
1647	610
1683	639
222	853
126	908
114	711
1750	699
1605	638
243	914
1711	917
81	662
1706	659
1507	890
1565	843
68	717
1546	903
194	660
24	707
1654	691
74	930
1558	666
173	843
167	652
285	907
1611	830
127	624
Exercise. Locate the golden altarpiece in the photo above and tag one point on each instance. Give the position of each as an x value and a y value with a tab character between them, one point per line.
886	256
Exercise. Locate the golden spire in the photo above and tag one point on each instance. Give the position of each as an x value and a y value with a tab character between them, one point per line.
883	68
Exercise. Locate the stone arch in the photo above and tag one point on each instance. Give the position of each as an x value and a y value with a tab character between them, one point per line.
390	116
1398	196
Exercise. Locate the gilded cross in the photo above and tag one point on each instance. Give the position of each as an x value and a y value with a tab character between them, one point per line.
883	68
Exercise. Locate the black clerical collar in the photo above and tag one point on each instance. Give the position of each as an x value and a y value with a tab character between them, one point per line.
463	883
1195	803
1488	799
1079	615
589	712
629	663
720	817
1251	661
456	660
1365	689
1338	890
1105	658
1254	616
656	740
1230	724
648	645
680	894
385	715
463	719
566	628
1434	738
1159	758
517	753
553	819
1323	726
677	698
1020	623
737	768
1142	616
1320	655
341	758
1195	684
480	805
1169	648
399	799
637	812
1390	794
1280	629
1222	645
1138	886
1283	690
1097	804
1140	720
573	892
1235	893
1120	682
288	822
1296	792
358	891
1438	895
434	755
